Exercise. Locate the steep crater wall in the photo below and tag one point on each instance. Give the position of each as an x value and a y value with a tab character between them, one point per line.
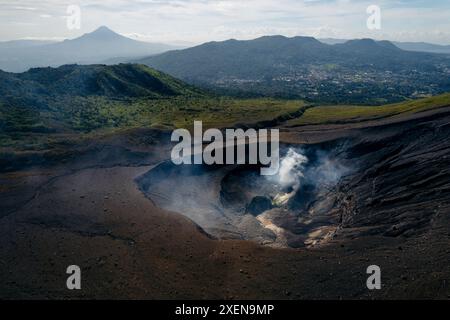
389	181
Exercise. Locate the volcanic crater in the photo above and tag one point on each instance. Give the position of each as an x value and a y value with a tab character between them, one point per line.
366	185
294	208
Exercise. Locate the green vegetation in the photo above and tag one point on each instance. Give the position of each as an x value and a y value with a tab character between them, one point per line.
48	109
84	115
216	112
178	112
346	114
358	72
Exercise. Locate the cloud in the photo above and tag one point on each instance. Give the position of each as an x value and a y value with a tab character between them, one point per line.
204	20
25	8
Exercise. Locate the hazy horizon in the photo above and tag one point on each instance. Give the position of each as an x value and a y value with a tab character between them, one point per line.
196	21
182	43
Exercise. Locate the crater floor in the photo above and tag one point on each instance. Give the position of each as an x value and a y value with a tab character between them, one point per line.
392	210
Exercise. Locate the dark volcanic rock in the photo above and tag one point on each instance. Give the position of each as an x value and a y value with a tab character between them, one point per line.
401	181
259	205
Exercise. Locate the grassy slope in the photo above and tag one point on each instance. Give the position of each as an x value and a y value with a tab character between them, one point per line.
346	114
90	116
38	120
45	105
83	116
217	112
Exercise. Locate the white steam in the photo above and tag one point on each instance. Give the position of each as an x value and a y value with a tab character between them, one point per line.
321	171
291	169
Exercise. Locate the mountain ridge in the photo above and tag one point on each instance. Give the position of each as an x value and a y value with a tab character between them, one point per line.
101	80
85	98
95	47
305	68
404	45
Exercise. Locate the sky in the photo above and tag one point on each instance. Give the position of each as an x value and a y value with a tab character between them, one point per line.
198	21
